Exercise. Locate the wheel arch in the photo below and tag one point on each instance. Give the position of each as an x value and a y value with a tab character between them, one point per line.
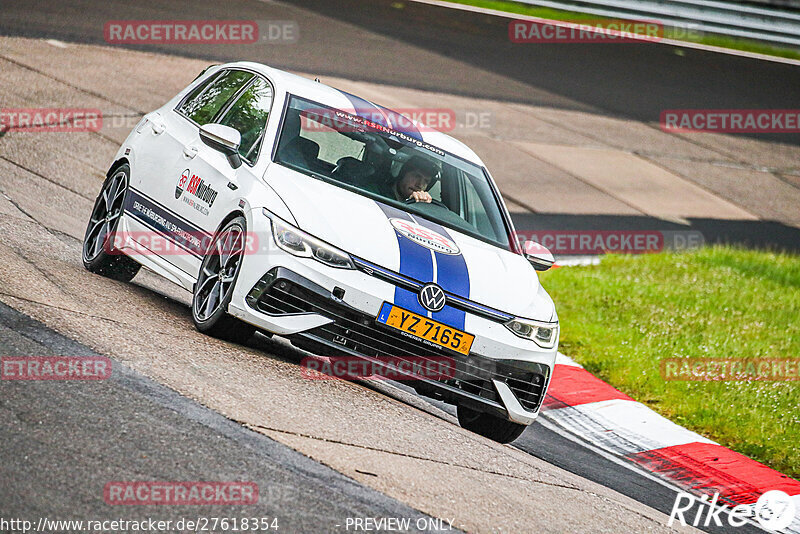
228	218
117	164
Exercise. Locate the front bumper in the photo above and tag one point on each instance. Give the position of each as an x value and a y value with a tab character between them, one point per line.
319	319
332	312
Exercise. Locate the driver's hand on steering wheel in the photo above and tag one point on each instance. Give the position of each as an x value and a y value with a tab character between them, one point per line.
420	196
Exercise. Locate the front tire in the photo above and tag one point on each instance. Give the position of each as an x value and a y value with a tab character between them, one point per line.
99	254
487	425
215	283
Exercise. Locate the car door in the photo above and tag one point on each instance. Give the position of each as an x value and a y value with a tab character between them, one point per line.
208	187
181	192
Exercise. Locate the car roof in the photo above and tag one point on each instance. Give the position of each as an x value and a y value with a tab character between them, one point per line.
339	99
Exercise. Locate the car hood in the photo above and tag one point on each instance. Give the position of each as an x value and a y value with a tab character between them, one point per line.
413	246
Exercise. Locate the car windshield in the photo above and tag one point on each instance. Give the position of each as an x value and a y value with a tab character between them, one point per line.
389	165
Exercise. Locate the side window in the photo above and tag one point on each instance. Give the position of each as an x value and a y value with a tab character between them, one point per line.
197	90
206	100
249	116
472	209
333	145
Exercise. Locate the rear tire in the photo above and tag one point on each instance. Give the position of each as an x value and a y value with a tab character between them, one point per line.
99	254
487	425
215	283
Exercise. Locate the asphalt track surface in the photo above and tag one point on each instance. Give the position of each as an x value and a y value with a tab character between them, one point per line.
63	442
415	45
435	48
567	452
623	80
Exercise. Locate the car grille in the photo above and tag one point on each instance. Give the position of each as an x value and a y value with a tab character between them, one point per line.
360	333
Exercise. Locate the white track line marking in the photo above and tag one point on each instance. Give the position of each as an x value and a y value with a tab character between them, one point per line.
555	427
563	359
624	426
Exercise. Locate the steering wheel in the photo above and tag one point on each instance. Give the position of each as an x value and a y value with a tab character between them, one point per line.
433	201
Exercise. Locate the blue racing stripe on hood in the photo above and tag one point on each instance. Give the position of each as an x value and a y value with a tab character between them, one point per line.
452	275
416	261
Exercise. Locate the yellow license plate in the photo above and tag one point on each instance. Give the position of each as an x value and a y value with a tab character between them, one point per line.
424	328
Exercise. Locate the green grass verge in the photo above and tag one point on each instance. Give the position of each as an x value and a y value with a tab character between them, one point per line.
746	45
621	318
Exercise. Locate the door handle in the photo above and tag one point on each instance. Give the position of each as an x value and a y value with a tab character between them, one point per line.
189	152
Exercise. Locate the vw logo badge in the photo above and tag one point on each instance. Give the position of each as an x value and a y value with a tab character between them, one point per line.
432	297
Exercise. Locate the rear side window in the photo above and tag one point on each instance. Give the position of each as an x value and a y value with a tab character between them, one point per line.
205	101
333	147
249	116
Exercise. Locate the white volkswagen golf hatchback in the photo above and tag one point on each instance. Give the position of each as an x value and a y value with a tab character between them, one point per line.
293	208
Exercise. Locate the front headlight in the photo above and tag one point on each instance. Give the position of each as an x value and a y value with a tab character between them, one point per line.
298	243
543	334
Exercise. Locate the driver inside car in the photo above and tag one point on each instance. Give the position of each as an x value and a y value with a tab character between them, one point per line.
414	180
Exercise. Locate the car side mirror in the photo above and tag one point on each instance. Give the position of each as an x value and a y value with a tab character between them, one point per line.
223	139
540	257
